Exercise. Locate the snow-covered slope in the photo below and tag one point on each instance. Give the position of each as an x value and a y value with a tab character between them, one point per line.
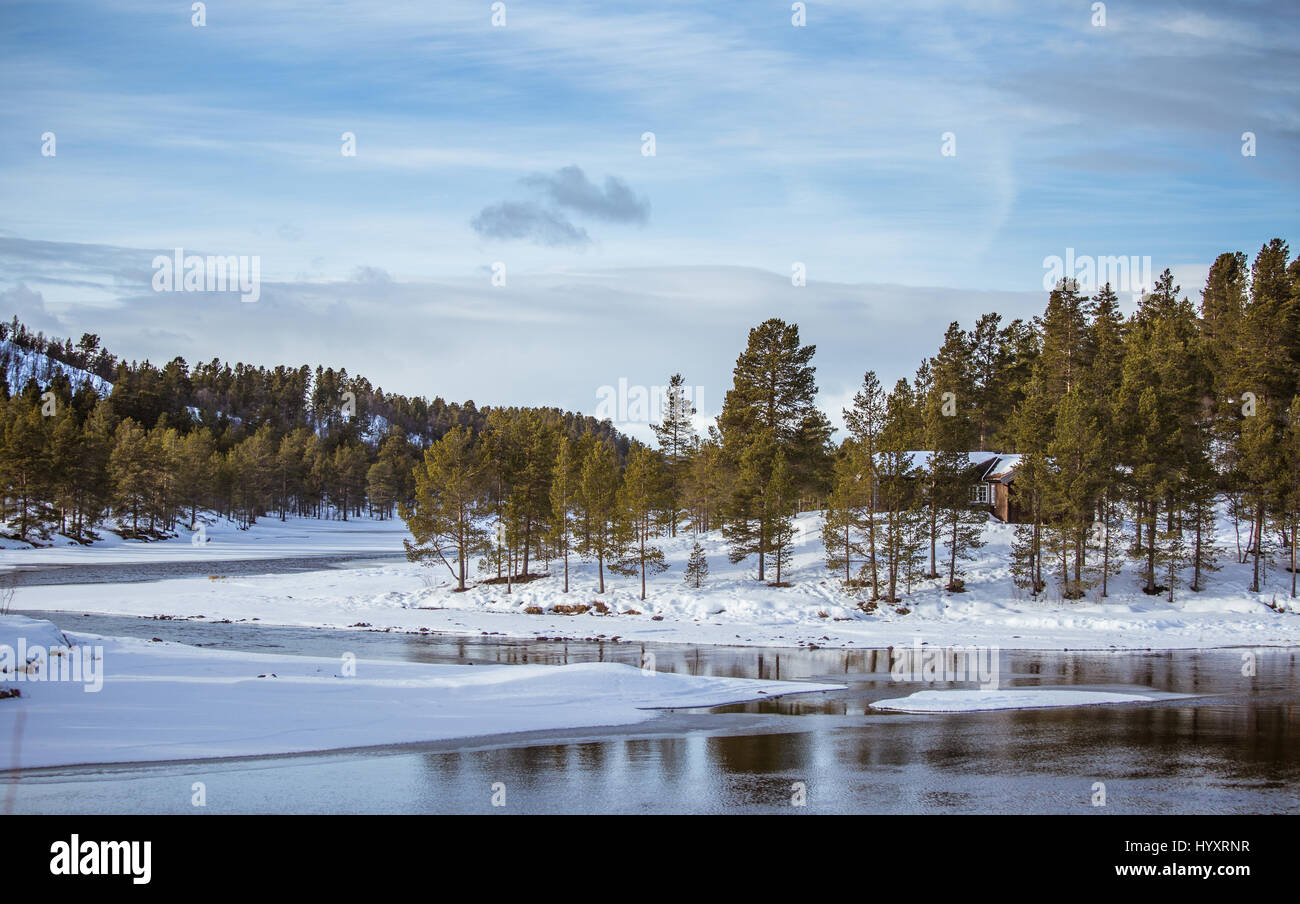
20	365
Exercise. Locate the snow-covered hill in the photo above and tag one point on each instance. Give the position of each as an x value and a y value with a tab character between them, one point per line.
20	365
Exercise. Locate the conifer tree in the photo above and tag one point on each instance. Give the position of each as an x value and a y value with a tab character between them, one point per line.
990	356
748	527
771	406
697	567
676	436
129	468
949	429
1072	487
705	492
597	509
381	488
779	499
636	502
1291	499
565	475
903	525
846	513
1102	385
446	516
865	421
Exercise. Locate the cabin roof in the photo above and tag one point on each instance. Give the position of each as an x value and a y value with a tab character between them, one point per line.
994	466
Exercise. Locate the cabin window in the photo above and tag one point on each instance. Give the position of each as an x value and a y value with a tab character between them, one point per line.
979	493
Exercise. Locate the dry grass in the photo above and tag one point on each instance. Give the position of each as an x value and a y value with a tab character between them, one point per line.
576	609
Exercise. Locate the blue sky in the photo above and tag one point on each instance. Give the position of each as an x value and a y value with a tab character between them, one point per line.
774	144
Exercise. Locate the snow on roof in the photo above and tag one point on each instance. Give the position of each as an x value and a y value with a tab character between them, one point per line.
921	459
1003	469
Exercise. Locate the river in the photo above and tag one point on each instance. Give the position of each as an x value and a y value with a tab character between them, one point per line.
1233	747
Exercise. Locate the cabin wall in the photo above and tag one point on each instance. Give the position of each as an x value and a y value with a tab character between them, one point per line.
1005	506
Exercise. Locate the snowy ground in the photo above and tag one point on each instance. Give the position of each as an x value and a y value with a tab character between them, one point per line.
269	538
732	607
161	701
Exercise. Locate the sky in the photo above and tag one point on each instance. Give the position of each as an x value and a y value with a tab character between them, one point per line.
383	161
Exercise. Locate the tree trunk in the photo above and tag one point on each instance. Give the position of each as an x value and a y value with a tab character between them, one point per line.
1293	539
1257	529
1151	550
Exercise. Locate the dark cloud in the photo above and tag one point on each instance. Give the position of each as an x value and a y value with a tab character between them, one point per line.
570	187
567	188
531	221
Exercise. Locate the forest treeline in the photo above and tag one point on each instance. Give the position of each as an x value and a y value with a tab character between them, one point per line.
167	443
1131	432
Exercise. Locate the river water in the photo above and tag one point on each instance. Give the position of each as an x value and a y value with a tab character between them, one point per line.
1233	747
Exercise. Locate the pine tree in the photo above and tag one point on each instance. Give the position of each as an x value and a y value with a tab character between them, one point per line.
1172	553
1024	547
564	480
1072	487
128	466
748	526
990	356
597	509
1291	500
446	516
697	567
949	429
771	405
706	485
903	524
846	514
24	463
779	499
676	436
865	421
1102	381
636	500
381	488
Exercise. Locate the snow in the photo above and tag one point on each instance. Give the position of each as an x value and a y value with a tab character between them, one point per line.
269	538
731	608
969	701
921	459
163	701
21	365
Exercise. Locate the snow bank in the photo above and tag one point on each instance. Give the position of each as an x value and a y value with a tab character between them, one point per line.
162	701
268	538
968	701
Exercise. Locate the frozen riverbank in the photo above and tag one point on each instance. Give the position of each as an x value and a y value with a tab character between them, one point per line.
162	701
731	608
